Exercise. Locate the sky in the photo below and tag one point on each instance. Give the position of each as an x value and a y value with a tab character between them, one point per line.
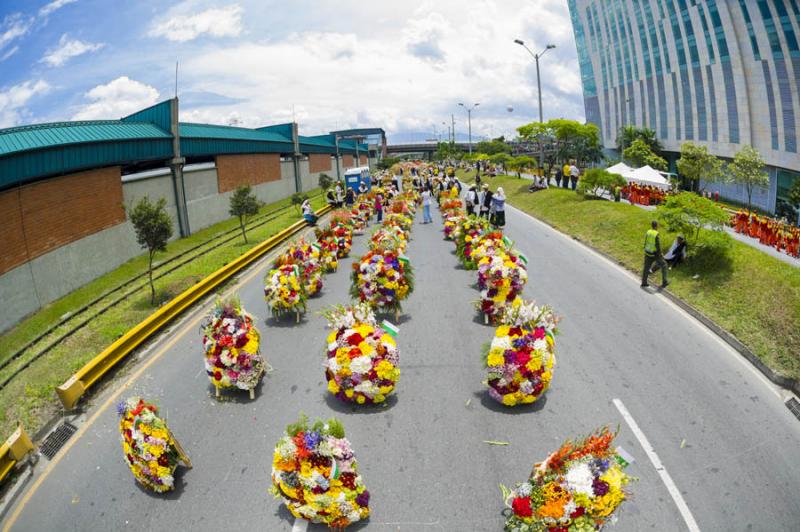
403	65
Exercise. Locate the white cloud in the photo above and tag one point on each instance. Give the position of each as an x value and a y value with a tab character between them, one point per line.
53	6
14	99
9	53
13	27
217	22
67	49
116	99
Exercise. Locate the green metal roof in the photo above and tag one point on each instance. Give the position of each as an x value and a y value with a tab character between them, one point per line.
41	136
211	131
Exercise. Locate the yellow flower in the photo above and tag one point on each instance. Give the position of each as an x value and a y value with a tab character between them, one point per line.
360	399
509	399
333	387
332	337
366	349
349	393
503	330
495	358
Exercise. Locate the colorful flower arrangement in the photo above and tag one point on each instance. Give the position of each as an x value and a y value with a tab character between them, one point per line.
231	346
316	474
361	215
489	244
284	290
344	238
501	278
151	452
403	221
383	278
389	237
521	357
577	488
451	206
472	229
362	363
328	247
307	258
452	224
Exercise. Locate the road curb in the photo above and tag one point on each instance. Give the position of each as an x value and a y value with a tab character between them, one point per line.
792	385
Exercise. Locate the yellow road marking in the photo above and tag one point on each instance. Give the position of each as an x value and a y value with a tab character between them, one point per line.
108	402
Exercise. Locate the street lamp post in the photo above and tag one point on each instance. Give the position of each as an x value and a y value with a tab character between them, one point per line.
469	121
539	86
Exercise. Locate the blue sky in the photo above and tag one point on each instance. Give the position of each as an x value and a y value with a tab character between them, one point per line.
402	65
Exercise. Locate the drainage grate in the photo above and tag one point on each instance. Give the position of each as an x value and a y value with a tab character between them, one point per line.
794	407
57	439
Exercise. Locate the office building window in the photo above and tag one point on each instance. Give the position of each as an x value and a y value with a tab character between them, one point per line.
677	106
773	116
702	126
787	105
730	103
712	100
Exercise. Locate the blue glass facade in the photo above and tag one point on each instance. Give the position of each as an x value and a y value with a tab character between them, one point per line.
723	73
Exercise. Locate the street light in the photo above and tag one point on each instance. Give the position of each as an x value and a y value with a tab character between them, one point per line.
469	120
539	85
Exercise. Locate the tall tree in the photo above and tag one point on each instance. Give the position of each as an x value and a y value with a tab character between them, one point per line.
493	147
747	169
153	228
243	205
628	134
501	158
565	140
697	164
640	154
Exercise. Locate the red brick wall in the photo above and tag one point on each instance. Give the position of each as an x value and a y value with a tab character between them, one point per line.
362	159
348	161
319	162
41	217
253	169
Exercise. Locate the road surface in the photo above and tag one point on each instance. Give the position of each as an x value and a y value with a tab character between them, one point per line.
626	357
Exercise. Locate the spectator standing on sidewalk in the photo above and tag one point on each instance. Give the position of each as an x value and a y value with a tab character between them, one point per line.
426	207
573	175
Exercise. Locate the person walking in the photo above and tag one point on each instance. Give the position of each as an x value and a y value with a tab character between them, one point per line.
573	175
652	254
471	199
350	197
486	202
379	206
426	207
499	208
339	196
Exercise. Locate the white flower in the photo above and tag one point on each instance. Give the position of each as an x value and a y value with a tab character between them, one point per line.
368	388
524	489
540	344
579	479
503	342
361	364
333	365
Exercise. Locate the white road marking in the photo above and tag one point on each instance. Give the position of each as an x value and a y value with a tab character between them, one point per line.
772	387
300	525
686	513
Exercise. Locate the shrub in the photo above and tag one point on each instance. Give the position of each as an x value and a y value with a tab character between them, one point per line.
689	214
596	180
325	181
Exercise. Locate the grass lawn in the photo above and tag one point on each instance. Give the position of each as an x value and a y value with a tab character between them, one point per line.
755	297
31	398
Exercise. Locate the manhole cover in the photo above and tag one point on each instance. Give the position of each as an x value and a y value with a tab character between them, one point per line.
57	439
794	407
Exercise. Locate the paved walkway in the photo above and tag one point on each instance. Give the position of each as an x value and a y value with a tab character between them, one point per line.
722	433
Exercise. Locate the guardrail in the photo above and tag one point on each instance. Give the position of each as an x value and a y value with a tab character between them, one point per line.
13	451
73	389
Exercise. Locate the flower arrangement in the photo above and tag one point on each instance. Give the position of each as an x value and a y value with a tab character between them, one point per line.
344	238
501	278
362	358
231	346
489	244
400	220
472	229
383	278
307	259
151	451
452	225
328	248
316	474
451	206
521	357
389	237
577	488
284	291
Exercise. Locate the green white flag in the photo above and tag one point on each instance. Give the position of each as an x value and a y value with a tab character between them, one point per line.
507	241
390	328
623	458
523	258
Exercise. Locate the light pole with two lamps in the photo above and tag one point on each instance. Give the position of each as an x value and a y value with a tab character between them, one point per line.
469	121
539	85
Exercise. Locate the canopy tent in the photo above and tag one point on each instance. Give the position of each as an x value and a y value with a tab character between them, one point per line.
647	176
619	169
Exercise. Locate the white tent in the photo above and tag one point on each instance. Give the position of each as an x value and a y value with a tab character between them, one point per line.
647	176
619	169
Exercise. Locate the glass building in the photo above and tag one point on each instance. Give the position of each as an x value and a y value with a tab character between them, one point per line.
722	73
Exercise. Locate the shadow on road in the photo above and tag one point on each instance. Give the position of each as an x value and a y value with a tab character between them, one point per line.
241	397
175	494
494	406
285	321
348	408
283	513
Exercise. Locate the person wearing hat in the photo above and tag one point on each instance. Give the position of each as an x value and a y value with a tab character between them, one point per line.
485	201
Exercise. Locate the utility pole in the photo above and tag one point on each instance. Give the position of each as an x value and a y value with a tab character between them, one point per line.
469	121
539	87
453	129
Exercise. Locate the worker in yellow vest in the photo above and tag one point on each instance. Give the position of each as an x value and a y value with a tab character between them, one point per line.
652	254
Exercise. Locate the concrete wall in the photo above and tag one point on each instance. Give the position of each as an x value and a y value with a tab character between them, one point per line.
27	286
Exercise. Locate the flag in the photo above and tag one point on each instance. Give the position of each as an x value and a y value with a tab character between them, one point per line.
316	246
390	328
404	260
523	258
507	241
623	458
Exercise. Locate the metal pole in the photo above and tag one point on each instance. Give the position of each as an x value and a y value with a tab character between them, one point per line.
469	122
541	119
338	172
453	129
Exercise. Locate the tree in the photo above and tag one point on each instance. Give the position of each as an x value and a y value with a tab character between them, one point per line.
565	140
326	181
640	154
243	205
747	169
689	213
628	134
153	228
501	158
446	150
595	180
697	164
794	197
385	163
520	163
297	200
493	147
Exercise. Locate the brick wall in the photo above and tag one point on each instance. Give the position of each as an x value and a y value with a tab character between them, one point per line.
362	160
319	162
253	169
348	161
40	217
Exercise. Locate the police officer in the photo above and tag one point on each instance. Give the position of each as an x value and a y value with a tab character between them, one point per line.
652	254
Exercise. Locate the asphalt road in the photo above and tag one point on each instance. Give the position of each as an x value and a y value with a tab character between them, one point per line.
722	433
